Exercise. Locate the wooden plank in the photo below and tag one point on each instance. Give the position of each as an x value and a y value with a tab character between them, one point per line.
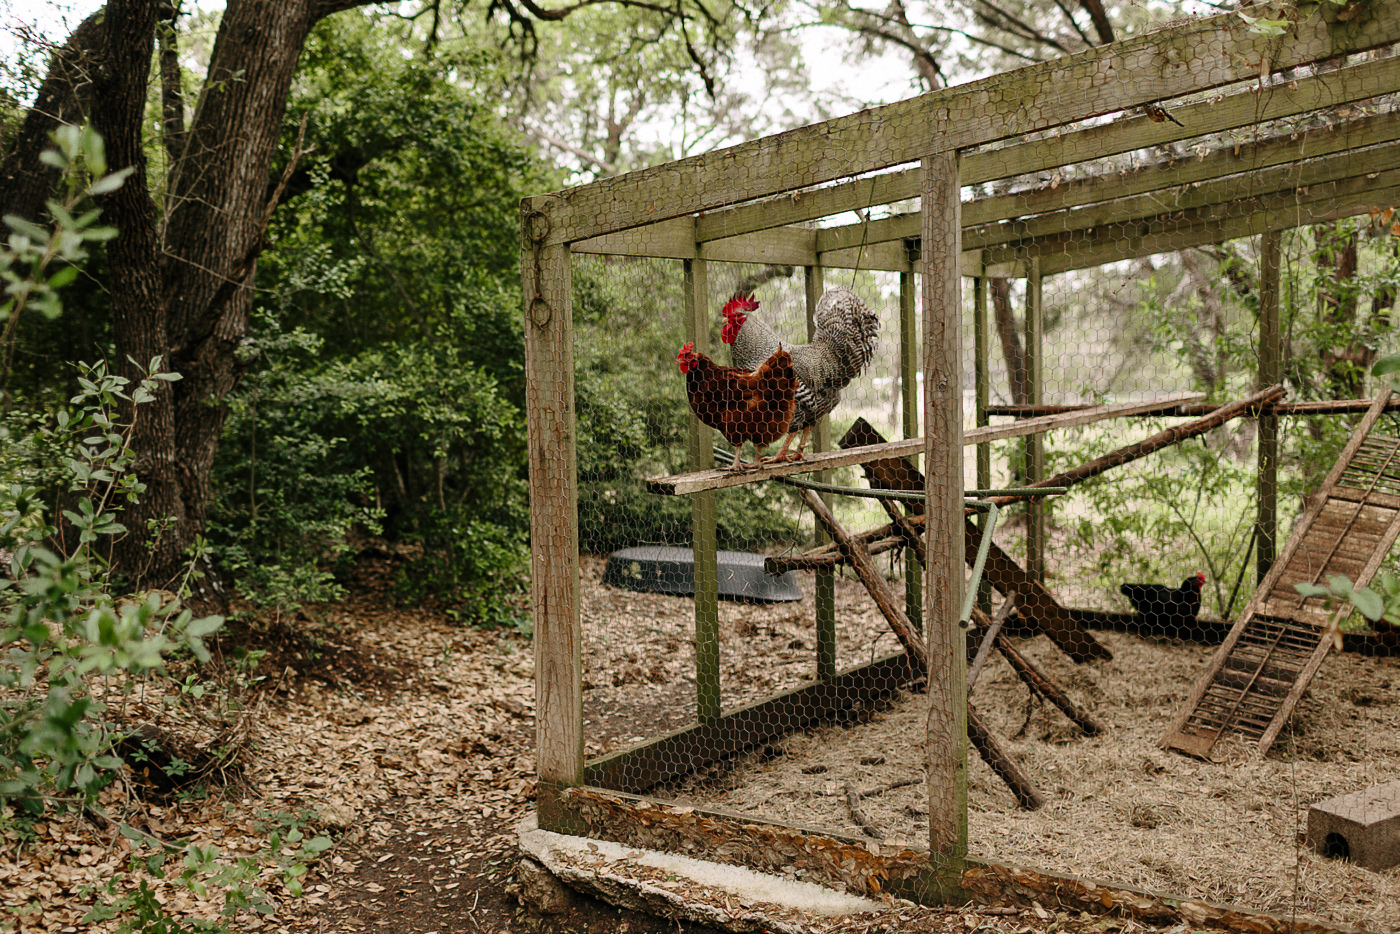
1268	371
1176	736
677	753
909	414
1386	500
1240	188
946	749
703	515
1198	56
721	478
1325	644
1281	211
1247	108
554	563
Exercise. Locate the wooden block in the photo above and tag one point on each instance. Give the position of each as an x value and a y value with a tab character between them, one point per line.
1363	826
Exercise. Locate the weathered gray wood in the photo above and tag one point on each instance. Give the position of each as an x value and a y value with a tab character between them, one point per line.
909	411
1197	56
1174	738
554	577
1216	224
982	393
824	583
1034	444
1235	188
1244	108
946	748
715	479
999	761
1270	371
703	522
1037	681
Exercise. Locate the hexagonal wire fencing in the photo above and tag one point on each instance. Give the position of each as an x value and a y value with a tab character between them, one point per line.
1092	276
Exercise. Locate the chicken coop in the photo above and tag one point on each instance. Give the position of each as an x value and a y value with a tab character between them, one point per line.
1021	623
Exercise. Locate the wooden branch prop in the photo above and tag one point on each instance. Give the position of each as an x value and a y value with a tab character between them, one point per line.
1003	573
859	558
1035	603
1155	443
1036	679
1002	763
986	746
859	816
827	556
990	629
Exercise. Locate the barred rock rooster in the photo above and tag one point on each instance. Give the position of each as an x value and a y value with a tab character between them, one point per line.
841	348
744	406
1166	610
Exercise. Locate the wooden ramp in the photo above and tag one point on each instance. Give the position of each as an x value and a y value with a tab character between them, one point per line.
1278	643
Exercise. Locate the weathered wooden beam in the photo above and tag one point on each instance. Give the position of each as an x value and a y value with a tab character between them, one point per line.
1198	56
1000	762
1245	108
554	561
1195	410
719	478
1216	224
858	558
1037	681
946	743
1170	436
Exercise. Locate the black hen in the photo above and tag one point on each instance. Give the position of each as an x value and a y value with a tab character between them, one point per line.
1163	609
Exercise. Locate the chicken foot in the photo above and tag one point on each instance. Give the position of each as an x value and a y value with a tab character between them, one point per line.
787	442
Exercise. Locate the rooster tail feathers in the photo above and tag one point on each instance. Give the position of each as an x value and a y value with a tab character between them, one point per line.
853	330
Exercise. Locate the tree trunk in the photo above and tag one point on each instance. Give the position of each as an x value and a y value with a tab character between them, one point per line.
1010	334
180	291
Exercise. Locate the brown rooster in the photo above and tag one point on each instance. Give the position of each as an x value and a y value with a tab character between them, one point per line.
842	346
744	406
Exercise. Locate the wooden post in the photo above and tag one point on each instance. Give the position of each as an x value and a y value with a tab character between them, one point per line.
943	465
909	408
1270	372
825	583
1035	444
981	368
554	565
704	540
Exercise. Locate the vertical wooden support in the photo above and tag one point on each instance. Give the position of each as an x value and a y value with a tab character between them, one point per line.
909	409
554	564
1270	372
1035	444
981	368
943	465
704	541
825	584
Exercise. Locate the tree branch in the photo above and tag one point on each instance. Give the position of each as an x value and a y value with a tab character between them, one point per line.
25	182
172	100
1099	18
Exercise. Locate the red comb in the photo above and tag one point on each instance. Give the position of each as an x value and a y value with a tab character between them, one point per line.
739	303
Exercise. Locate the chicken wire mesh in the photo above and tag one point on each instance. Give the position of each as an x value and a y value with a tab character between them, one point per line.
1138	641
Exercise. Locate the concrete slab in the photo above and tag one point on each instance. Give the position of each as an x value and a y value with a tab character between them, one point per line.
1363	826
729	897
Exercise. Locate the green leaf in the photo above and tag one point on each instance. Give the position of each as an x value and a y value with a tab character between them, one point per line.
205	626
110	183
1386	365
1312	590
30	229
1368	602
63	277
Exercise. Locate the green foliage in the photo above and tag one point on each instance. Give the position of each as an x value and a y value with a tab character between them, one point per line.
288	490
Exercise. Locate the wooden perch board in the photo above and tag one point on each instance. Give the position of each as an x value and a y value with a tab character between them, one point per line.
720	478
1261	671
1005	575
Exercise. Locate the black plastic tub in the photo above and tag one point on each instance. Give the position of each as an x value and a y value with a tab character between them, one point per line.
659	569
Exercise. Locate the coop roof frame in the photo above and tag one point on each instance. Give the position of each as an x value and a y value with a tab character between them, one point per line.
934	130
1193	58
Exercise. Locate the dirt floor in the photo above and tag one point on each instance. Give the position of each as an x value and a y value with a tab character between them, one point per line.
1121	809
408	740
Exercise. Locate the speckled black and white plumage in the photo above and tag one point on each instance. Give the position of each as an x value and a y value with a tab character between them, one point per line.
840	350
